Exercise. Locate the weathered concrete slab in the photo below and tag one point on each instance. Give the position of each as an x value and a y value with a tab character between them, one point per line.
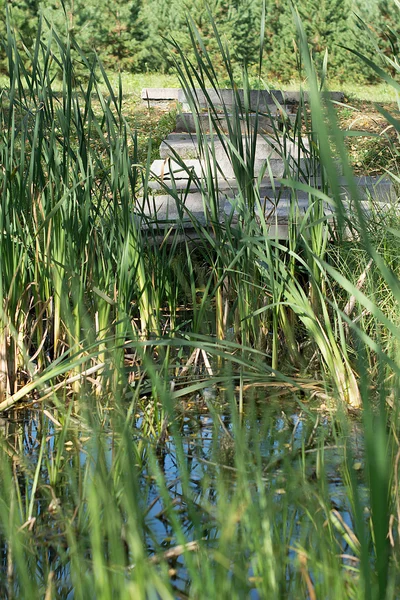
380	189
167	208
375	188
186	122
227	188
269	155
259	100
187	146
167	169
184	145
191	210
262	100
160	94
294	97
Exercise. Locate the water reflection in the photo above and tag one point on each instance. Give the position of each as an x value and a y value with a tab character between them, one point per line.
200	460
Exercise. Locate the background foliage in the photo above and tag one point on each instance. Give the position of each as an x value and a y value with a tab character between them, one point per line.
129	35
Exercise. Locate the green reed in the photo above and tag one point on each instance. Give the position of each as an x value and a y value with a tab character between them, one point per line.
92	296
81	275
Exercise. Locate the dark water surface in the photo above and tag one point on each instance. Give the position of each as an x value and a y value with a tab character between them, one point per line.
283	438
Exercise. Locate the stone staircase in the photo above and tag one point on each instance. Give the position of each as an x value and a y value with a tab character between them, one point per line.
192	169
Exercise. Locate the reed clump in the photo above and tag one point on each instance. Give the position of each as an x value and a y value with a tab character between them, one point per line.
85	279
111	327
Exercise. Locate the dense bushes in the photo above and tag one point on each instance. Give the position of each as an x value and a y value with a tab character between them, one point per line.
128	34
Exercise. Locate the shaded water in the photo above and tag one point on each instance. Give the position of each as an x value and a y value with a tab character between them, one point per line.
283	443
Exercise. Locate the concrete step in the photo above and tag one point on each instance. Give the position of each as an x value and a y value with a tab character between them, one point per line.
262	101
258	100
381	190
226	188
192	211
160	93
187	146
166	209
268	152
226	96
186	122
169	169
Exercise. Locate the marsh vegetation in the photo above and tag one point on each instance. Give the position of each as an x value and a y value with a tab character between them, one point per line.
208	420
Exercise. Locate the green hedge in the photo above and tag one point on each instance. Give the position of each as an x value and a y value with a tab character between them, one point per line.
130	34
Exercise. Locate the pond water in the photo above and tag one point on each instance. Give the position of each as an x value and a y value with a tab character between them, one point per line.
281	442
